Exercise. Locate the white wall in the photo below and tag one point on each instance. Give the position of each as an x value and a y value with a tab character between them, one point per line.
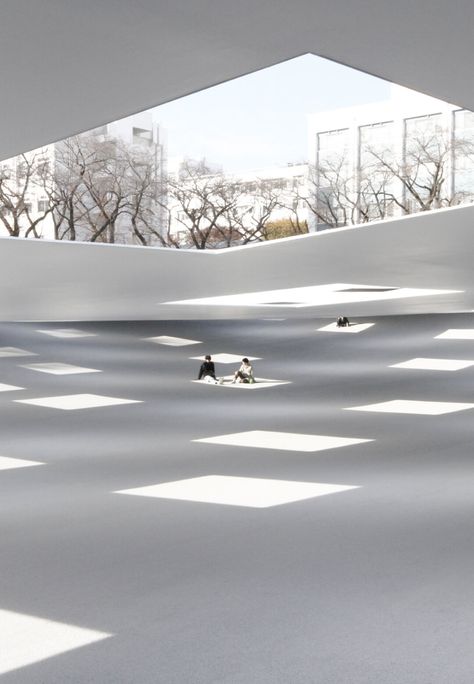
71	281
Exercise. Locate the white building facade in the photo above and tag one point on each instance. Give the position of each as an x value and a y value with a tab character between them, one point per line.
353	150
32	196
263	196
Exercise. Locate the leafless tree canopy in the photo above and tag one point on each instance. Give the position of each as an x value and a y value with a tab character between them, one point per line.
15	185
101	189
419	181
213	210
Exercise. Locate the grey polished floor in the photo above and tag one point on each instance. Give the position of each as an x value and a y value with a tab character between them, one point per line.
371	585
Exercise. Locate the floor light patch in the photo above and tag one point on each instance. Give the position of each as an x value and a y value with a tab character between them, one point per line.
27	639
9	388
434	364
59	368
7	463
286	441
227	358
172	341
428	408
457	334
227	382
67	333
72	402
14	351
352	328
238	491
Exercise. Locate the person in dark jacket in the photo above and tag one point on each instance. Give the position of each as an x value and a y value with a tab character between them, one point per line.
342	322
207	369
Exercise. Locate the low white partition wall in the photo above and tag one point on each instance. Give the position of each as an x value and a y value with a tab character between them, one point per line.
42	280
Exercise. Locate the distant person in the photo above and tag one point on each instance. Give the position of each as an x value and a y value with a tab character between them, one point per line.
207	369
342	322
245	372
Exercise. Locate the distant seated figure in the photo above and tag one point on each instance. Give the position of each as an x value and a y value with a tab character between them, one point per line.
207	369
245	372
342	322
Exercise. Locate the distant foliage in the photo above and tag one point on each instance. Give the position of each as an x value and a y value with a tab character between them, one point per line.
285	228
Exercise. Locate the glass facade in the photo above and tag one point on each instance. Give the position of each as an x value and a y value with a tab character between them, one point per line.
334	181
427	161
377	186
464	155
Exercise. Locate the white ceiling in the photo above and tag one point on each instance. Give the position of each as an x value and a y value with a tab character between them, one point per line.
68	66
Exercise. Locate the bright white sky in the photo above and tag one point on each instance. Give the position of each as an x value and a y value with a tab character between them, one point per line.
260	119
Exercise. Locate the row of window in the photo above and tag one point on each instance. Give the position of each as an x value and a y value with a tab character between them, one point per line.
42	206
382	132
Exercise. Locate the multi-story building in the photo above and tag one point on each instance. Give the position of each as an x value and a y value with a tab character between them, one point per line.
360	158
143	140
24	202
29	179
261	196
287	181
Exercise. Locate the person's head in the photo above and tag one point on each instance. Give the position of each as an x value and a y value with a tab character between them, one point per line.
245	360
207	357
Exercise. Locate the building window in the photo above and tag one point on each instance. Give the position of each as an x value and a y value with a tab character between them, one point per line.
463	155
42	205
142	136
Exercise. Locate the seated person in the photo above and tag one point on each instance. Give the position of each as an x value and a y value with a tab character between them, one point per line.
245	372
207	369
342	322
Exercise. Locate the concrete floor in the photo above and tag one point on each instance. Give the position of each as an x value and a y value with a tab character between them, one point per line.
371	585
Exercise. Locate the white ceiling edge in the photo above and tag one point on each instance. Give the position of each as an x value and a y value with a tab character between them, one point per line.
68	67
58	281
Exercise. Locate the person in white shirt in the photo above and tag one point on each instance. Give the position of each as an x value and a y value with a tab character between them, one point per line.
245	372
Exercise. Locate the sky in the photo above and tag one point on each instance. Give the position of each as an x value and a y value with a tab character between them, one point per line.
261	119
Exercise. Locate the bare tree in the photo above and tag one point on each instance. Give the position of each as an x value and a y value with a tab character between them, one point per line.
17	181
331	193
422	176
416	181
254	215
65	189
147	201
106	191
204	205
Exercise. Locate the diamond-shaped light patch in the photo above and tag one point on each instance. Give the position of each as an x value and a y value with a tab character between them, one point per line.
7	463
172	341
352	328
67	332
26	639
14	351
286	441
227	358
226	381
59	368
456	334
71	402
9	388
428	408
238	491
434	364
